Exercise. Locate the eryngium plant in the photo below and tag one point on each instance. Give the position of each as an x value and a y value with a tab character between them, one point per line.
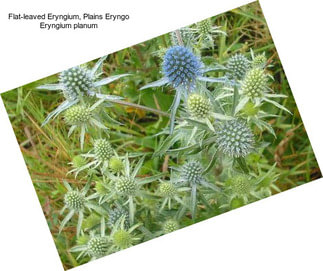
210	160
77	83
183	70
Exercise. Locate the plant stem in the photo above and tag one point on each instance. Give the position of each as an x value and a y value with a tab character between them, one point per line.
179	37
235	99
142	107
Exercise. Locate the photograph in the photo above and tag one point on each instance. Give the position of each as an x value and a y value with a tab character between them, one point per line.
161	135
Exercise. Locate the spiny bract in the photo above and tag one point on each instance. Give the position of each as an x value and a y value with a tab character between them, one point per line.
170	226
74	200
76	81
167	189
238	65
254	83
204	27
235	138
192	172
181	67
82	240
91	221
101	188
126	186
77	114
97	246
198	106
102	149
116	214
115	164
78	161
122	239
240	185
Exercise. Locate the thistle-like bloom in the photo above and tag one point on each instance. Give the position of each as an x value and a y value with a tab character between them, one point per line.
255	83
81	116
101	153
182	69
240	188
192	174
237	66
198	106
170	226
95	246
126	186
168	192
76	202
78	82
254	88
206	33
205	26
259	61
103	150
98	246
167	189
75	81
78	115
117	214
240	185
234	138
121	237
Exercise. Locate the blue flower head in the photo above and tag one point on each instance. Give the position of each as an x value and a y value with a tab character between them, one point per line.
181	67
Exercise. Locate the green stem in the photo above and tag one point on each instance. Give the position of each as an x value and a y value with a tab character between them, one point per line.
142	107
235	99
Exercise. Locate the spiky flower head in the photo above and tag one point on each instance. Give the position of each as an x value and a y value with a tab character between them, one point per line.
116	214
204	27
74	200
115	164
238	65
198	106
167	189
192	172
126	186
186	35
98	246
240	185
181	67
77	115
170	226
259	61
76	81
235	138
122	239
102	149
254	83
